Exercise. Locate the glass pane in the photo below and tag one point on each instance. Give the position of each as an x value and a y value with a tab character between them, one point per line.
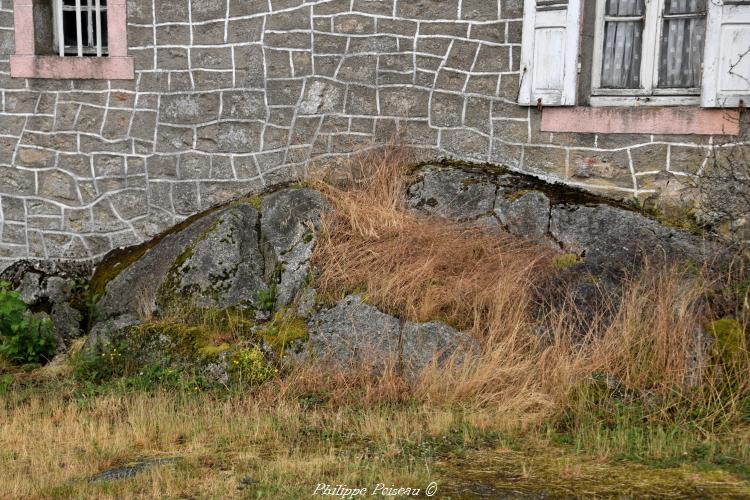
88	38
70	32
681	45
105	43
621	61
69	28
684	6
626	7
621	65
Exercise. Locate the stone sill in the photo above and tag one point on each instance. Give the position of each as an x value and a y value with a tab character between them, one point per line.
72	68
663	121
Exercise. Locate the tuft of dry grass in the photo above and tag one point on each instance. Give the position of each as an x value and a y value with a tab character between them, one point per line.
419	267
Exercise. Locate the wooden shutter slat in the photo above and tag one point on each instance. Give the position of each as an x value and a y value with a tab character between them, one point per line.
726	67
549	52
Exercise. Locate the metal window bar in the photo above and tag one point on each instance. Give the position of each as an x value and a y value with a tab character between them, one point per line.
98	10
79	34
88	43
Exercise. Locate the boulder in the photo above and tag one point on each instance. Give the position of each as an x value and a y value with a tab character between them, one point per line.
223	267
105	332
133	291
452	194
354	333
290	218
231	257
55	288
424	343
166	344
612	240
527	215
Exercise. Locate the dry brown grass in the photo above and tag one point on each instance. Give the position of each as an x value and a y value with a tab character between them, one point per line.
51	445
419	267
534	359
655	333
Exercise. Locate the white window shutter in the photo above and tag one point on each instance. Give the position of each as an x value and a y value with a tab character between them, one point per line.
726	64
549	54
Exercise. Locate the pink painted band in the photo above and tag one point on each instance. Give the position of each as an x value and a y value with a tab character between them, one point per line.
676	120
63	68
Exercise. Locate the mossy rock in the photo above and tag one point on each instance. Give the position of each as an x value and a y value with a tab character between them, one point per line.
729	339
176	340
284	332
128	281
212	352
184	348
254	201
222	268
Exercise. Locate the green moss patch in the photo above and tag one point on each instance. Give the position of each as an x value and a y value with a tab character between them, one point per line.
283	331
254	201
729	339
566	261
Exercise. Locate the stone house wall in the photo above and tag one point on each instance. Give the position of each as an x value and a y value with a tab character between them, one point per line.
231	96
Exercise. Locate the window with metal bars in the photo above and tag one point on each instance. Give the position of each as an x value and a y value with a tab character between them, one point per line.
80	27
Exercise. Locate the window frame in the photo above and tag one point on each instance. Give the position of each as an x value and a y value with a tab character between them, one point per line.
27	63
649	94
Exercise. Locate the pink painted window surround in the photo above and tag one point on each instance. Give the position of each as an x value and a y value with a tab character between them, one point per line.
26	63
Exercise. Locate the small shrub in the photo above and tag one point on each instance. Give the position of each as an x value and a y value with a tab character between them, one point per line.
267	298
102	362
149	377
249	366
728	337
5	382
24	339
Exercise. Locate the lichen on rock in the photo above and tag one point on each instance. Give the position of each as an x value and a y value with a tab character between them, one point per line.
289	223
222	268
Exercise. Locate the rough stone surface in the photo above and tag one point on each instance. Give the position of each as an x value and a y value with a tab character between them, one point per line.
223	267
614	239
453	194
252	91
290	219
353	333
527	216
424	343
133	291
103	332
609	238
131	470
